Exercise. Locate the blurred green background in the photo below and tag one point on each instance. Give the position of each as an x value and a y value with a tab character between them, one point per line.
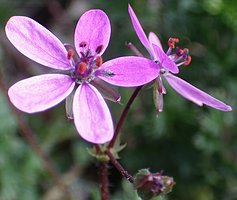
195	145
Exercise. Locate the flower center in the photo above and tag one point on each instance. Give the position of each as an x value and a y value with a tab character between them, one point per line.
163	72
85	63
175	54
180	56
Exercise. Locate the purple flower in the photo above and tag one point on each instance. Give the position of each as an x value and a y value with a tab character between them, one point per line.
168	64
81	69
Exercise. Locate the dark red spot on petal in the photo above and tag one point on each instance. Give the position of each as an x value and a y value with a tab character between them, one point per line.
83	44
99	49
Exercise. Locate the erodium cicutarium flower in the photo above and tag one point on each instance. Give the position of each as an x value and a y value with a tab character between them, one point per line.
169	63
80	71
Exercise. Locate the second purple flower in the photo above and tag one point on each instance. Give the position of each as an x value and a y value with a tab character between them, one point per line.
169	63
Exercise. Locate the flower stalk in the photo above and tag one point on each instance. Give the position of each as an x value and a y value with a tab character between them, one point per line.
104	180
119	167
123	116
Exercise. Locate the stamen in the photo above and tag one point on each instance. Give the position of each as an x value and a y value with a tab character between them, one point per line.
182	54
83	44
98	61
81	67
172	41
185	53
188	61
179	52
99	49
70	53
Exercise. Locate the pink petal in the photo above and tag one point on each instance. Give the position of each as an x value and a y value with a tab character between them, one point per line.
93	28
36	42
153	39
39	93
91	115
194	94
128	71
139	31
164	60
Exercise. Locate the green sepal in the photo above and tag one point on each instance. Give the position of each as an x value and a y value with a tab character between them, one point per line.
117	148
102	157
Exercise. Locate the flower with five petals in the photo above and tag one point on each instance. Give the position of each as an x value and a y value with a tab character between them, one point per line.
80	70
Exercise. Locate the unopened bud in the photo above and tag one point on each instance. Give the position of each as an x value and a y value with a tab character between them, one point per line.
149	185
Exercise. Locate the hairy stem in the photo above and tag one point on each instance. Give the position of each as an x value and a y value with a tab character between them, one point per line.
103	176
123	115
104	180
119	167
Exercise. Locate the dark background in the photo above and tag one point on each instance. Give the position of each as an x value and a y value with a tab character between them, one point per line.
195	145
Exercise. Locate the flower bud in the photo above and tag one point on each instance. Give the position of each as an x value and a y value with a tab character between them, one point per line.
149	185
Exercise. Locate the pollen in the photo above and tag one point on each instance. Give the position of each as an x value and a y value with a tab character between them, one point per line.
70	53
186	51
81	67
98	61
179	52
172	41
188	61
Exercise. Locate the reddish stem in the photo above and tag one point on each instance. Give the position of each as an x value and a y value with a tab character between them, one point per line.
104	180
104	176
119	167
123	116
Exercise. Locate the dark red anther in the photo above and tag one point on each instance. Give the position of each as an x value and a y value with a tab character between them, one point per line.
82	44
179	51
70	53
172	41
176	40
99	49
186	51
81	67
98	61
188	60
